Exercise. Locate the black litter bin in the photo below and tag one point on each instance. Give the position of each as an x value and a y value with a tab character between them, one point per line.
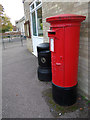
44	58
44	61
42	47
44	74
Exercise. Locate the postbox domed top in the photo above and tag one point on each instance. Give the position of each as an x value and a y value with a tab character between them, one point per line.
66	17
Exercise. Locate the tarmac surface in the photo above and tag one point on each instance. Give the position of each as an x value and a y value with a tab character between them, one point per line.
22	92
21	89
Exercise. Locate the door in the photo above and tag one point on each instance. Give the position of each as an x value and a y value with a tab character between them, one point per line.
36	23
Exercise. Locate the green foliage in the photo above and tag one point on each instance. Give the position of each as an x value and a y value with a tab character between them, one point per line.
41	25
5	24
1	9
88	102
83	97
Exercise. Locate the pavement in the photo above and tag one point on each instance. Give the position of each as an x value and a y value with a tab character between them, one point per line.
0	81
22	92
21	89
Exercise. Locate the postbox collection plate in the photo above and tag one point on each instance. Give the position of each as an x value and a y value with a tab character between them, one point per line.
52	44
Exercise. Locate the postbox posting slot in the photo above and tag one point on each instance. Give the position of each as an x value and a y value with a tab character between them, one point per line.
51	33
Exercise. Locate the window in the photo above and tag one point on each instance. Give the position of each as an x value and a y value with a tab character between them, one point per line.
32	7
36	18
39	22
34	23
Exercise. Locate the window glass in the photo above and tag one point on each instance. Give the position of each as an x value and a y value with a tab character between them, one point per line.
38	2
39	22
34	23
32	7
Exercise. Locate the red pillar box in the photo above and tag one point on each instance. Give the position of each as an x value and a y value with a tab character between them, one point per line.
64	36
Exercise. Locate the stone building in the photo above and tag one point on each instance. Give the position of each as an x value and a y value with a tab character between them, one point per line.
36	12
20	25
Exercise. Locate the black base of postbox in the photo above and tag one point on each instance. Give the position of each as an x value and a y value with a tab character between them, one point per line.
64	96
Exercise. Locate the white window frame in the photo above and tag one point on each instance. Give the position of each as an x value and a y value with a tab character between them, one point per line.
35	10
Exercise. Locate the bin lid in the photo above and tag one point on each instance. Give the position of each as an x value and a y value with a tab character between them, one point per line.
43	46
66	17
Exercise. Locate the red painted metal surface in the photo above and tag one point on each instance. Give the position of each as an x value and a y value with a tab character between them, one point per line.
64	36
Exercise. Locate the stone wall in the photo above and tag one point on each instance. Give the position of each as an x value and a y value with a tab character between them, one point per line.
27	17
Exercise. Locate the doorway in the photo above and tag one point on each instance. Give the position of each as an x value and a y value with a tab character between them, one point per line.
36	24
